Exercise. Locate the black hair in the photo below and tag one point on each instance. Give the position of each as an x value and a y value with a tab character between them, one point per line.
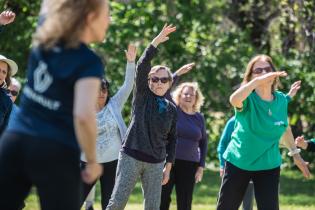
105	86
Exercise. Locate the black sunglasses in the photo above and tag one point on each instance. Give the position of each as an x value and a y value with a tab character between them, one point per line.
162	79
260	70
14	92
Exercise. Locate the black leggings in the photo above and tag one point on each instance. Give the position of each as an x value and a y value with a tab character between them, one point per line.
107	181
51	167
183	177
234	184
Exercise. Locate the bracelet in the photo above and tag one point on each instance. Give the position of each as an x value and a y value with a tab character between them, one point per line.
294	152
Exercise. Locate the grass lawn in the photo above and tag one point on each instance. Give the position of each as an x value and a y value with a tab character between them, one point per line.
296	193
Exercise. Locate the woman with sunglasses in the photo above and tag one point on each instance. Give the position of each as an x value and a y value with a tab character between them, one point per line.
151	135
248	199
261	115
8	68
57	110
111	129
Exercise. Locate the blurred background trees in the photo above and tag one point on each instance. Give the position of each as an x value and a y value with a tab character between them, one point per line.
220	36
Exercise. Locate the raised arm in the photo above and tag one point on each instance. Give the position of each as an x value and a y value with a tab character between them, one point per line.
181	71
185	69
124	91
294	89
237	98
144	64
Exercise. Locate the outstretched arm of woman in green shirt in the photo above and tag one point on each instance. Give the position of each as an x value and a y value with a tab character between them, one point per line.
237	98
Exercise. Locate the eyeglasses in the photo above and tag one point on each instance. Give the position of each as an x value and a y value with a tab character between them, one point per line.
103	90
260	70
14	92
157	79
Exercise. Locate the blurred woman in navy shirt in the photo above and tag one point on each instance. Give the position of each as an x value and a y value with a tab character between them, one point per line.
57	116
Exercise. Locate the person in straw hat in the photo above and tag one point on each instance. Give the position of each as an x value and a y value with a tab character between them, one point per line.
8	68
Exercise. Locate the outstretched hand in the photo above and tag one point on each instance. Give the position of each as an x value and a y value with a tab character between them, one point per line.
131	53
270	77
294	88
185	69
163	35
6	17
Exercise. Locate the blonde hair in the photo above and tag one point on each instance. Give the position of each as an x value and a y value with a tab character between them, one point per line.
249	69
199	97
64	22
157	68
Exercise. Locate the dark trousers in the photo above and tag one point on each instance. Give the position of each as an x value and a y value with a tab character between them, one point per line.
51	167
107	181
183	177
248	199
235	182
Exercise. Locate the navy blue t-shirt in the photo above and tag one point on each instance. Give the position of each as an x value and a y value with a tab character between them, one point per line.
47	100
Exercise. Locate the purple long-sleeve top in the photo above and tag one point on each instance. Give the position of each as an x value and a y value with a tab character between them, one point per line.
192	139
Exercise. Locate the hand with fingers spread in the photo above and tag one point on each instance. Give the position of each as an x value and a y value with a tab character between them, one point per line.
131	53
270	77
91	172
301	142
185	69
7	17
294	88
163	35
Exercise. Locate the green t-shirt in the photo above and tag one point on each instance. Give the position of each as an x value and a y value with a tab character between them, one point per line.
258	129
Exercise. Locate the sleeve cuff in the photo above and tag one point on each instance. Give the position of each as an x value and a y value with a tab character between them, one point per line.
289	99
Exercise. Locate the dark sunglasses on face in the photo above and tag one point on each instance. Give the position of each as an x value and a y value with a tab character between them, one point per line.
260	70
162	79
14	92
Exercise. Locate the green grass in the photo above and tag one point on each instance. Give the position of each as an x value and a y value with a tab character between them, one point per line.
296	193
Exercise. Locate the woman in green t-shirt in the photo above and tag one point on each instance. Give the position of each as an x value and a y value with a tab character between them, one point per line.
253	153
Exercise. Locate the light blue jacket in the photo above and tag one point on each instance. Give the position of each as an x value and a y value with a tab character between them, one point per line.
116	102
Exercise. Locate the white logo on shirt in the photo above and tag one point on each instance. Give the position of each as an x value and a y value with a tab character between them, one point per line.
279	123
42	78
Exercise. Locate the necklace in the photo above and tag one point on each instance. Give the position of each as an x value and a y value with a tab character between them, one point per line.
269	112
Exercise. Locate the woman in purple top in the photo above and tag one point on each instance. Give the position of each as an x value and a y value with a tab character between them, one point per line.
191	148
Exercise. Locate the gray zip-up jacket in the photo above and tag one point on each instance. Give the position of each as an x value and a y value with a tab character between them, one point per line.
151	132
